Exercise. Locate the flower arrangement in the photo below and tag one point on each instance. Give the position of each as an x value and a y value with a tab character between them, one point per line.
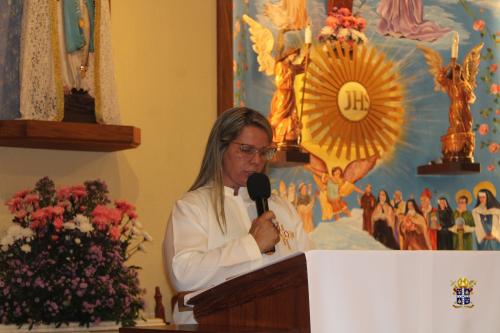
63	259
341	25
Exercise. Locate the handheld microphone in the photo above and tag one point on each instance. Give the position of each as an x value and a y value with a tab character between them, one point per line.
259	189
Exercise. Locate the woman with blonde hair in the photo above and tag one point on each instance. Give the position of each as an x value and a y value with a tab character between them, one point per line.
214	231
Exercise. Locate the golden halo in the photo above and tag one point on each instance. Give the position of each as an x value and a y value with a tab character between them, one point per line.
485	185
354	101
463	193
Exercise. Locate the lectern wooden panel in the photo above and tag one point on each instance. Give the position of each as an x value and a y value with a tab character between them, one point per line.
271	297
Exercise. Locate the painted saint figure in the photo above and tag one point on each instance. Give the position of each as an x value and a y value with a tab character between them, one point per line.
399	210
367	203
463	229
337	187
487	221
405	19
430	214
413	229
383	221
446	221
305	204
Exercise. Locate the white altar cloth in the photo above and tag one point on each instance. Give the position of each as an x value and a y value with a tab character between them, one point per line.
402	291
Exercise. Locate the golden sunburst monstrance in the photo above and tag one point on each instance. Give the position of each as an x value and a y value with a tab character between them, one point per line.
353	103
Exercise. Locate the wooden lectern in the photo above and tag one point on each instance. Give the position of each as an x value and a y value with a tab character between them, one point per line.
272	299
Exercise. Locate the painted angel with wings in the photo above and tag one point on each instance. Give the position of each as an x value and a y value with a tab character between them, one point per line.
285	65
458	82
338	184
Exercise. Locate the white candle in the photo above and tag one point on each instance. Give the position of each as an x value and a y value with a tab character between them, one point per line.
454	47
308	34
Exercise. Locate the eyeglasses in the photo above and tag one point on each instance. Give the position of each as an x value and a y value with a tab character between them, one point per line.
249	151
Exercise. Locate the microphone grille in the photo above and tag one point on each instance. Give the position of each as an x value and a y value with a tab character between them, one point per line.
258	186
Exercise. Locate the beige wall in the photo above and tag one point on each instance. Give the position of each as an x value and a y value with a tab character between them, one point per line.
165	66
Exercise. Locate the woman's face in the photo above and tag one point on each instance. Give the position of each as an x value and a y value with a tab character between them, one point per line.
482	198
382	197
411	206
442	204
237	165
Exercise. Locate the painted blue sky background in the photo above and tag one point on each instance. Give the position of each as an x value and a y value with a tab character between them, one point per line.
426	111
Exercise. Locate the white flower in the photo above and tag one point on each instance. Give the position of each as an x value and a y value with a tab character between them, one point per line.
85	227
81	219
327	31
356	35
147	236
16	232
69	225
136	231
5	248
77	240
138	224
8	240
26	248
343	32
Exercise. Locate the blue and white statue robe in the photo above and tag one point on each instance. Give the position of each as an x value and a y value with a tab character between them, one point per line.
10	50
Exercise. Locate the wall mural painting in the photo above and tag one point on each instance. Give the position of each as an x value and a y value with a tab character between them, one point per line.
352	84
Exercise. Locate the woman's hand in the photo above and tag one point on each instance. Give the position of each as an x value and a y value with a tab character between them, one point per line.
264	231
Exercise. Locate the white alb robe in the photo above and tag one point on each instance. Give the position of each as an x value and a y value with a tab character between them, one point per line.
198	255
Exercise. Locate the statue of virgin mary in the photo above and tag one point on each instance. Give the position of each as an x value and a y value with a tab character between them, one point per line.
65	49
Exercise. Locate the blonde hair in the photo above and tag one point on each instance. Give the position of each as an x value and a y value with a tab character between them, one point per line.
227	128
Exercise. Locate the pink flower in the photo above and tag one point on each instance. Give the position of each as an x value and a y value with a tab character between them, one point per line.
39	214
55	210
101	222
344	11
493	68
497	112
478	25
37	224
21	214
114	232
115	215
132	214
21	194
495	89
104	216
58	223
361	24
332	21
32	198
14	204
124	206
483	129
491	167
64	193
100	210
78	191
493	147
